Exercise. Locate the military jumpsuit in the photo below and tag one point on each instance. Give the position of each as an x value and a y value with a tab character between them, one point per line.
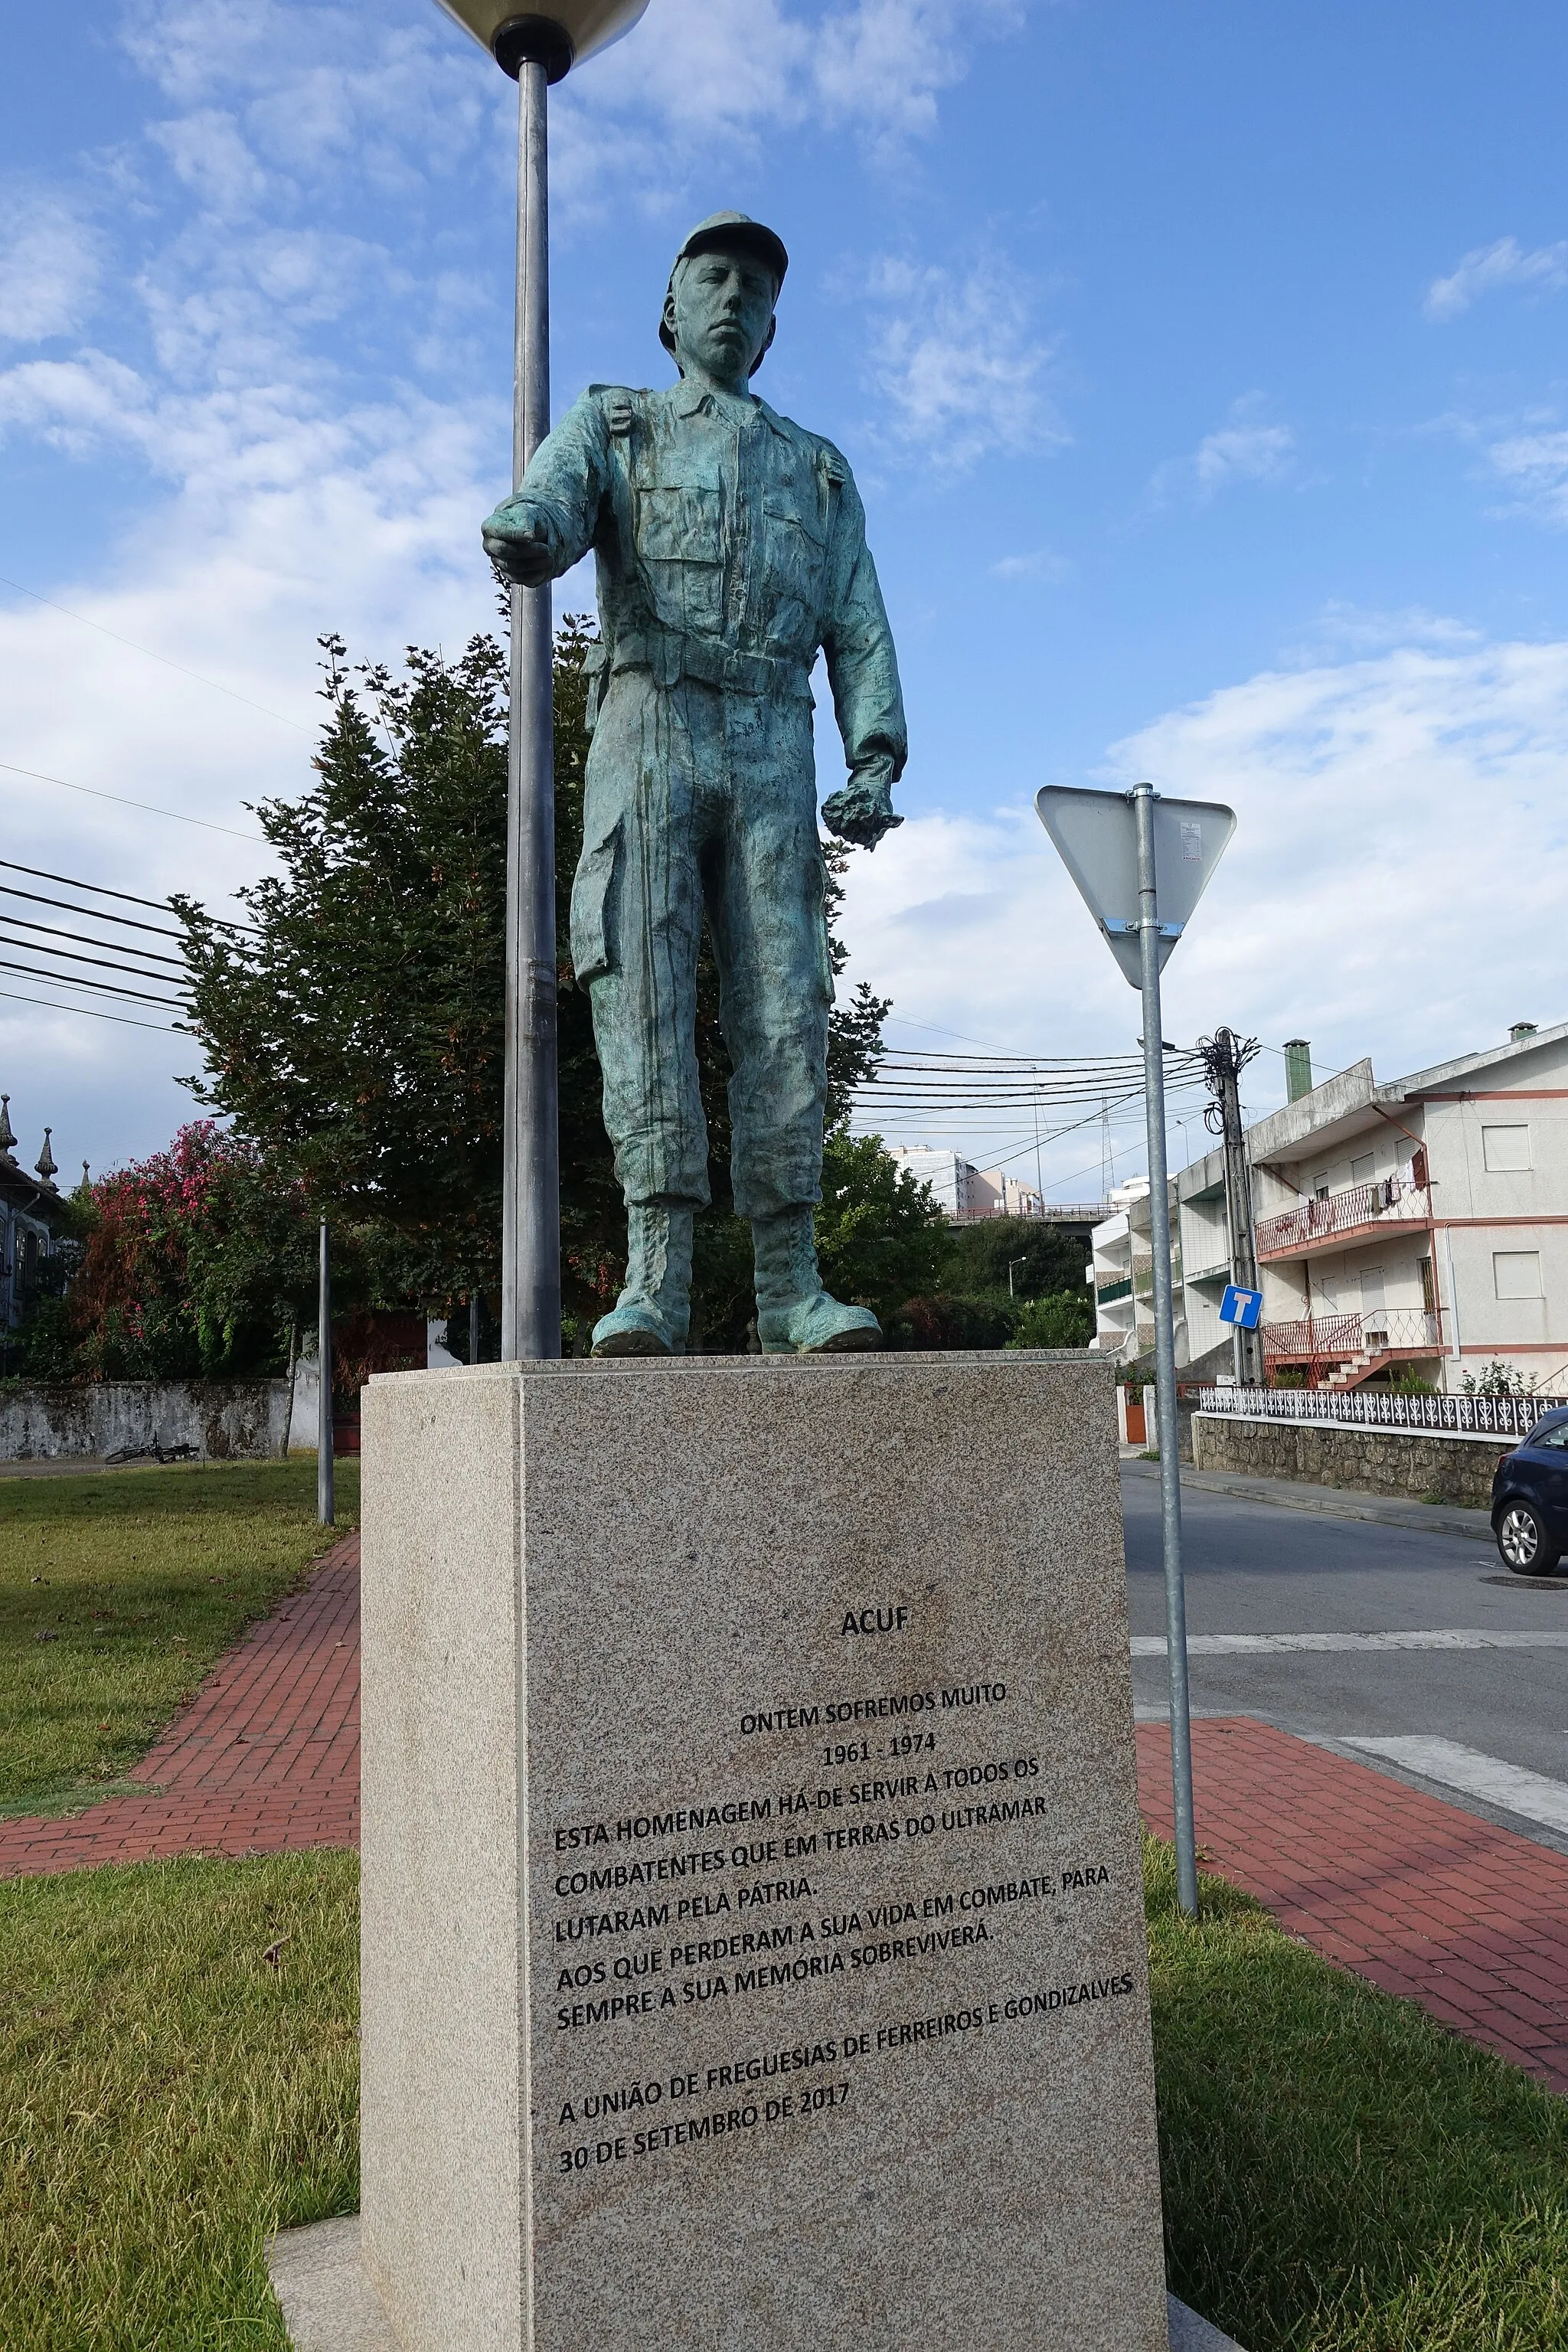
730	548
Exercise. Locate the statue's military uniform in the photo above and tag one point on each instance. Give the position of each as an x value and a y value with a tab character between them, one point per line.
730	548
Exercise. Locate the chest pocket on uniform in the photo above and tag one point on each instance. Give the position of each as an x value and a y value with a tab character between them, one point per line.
680	551
796	541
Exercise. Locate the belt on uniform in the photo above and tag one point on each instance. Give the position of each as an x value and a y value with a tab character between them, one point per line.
671	657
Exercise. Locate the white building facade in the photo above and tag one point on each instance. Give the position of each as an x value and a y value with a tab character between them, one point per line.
1420	1223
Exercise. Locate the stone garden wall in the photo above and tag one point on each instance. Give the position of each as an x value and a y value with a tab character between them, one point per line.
221	1419
1408	1463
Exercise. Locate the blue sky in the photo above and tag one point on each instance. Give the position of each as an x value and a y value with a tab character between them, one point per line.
1203	370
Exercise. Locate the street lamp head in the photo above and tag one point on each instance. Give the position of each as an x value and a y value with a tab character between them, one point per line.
558	37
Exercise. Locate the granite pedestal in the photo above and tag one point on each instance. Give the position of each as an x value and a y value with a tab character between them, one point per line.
330	2306
753	1944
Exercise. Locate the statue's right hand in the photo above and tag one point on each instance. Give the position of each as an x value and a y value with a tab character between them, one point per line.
517	538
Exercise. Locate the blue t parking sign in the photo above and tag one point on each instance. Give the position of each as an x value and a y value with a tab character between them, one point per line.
1241	1307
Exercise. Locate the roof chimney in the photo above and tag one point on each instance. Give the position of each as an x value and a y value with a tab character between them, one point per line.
1298	1068
1520	1031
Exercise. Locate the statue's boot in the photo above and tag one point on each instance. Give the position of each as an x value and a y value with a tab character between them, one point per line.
795	1316
653	1313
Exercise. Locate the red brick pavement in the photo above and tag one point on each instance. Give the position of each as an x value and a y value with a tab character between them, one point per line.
264	1760
1425	1900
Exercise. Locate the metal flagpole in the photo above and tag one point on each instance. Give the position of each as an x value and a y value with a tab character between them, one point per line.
325	1506
1142	799
530	1226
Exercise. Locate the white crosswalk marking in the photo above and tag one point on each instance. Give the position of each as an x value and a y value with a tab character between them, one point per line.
1488	1777
1444	1637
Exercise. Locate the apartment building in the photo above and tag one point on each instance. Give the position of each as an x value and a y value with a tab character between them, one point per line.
1121	1270
967	1192
1422	1221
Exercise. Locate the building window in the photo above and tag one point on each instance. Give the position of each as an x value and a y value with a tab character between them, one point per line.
1361	1170
1516	1274
1504	1149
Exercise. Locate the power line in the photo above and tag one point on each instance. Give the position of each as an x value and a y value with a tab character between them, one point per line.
87	940
95	914
121	801
92	1013
232	692
99	889
64	980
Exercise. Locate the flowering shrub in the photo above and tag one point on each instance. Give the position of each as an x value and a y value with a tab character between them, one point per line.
191	1263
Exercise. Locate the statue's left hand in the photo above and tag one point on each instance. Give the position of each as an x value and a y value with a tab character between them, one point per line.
863	812
517	538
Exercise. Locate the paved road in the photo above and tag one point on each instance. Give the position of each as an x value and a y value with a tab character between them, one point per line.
1253	1569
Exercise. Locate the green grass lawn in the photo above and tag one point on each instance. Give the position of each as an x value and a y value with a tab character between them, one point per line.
168	2095
1341	2174
119	1590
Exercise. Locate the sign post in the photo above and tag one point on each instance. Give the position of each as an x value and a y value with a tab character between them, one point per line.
1141	863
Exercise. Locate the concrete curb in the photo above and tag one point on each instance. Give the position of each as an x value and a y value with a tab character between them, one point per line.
1333	1502
329	2305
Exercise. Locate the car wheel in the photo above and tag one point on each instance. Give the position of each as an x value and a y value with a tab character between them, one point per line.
1522	1541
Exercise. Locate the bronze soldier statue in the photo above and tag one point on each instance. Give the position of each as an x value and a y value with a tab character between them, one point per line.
730	548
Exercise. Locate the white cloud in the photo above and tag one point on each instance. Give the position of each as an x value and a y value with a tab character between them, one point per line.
956	358
1535	468
1243	453
211	156
280	479
1244	448
1038	564
881	64
1394	886
49	266
1490	265
1344	629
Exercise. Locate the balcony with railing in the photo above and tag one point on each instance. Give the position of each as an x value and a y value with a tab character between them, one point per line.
1354	1344
1361	1213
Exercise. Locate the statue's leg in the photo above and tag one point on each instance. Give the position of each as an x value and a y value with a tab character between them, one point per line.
637	922
769	939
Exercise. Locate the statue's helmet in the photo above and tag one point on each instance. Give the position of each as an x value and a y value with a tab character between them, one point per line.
734	232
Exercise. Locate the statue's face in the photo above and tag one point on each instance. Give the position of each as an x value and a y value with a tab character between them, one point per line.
720	311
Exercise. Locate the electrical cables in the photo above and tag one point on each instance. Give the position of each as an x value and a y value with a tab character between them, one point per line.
138	974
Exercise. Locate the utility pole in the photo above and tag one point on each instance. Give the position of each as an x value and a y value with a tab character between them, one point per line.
1225	1055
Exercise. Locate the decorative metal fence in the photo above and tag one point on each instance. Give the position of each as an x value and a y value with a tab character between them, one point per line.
1462	1416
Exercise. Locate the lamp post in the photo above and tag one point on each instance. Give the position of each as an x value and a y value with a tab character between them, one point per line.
536	50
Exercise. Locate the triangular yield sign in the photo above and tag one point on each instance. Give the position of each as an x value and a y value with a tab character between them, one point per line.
1095	835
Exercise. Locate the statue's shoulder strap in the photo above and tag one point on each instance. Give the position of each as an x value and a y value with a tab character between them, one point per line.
621	404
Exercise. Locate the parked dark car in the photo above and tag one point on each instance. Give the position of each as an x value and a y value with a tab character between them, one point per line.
1530	1498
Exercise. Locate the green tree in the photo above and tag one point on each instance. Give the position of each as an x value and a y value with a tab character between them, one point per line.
353	1024
1046	1260
880	1236
1065	1320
